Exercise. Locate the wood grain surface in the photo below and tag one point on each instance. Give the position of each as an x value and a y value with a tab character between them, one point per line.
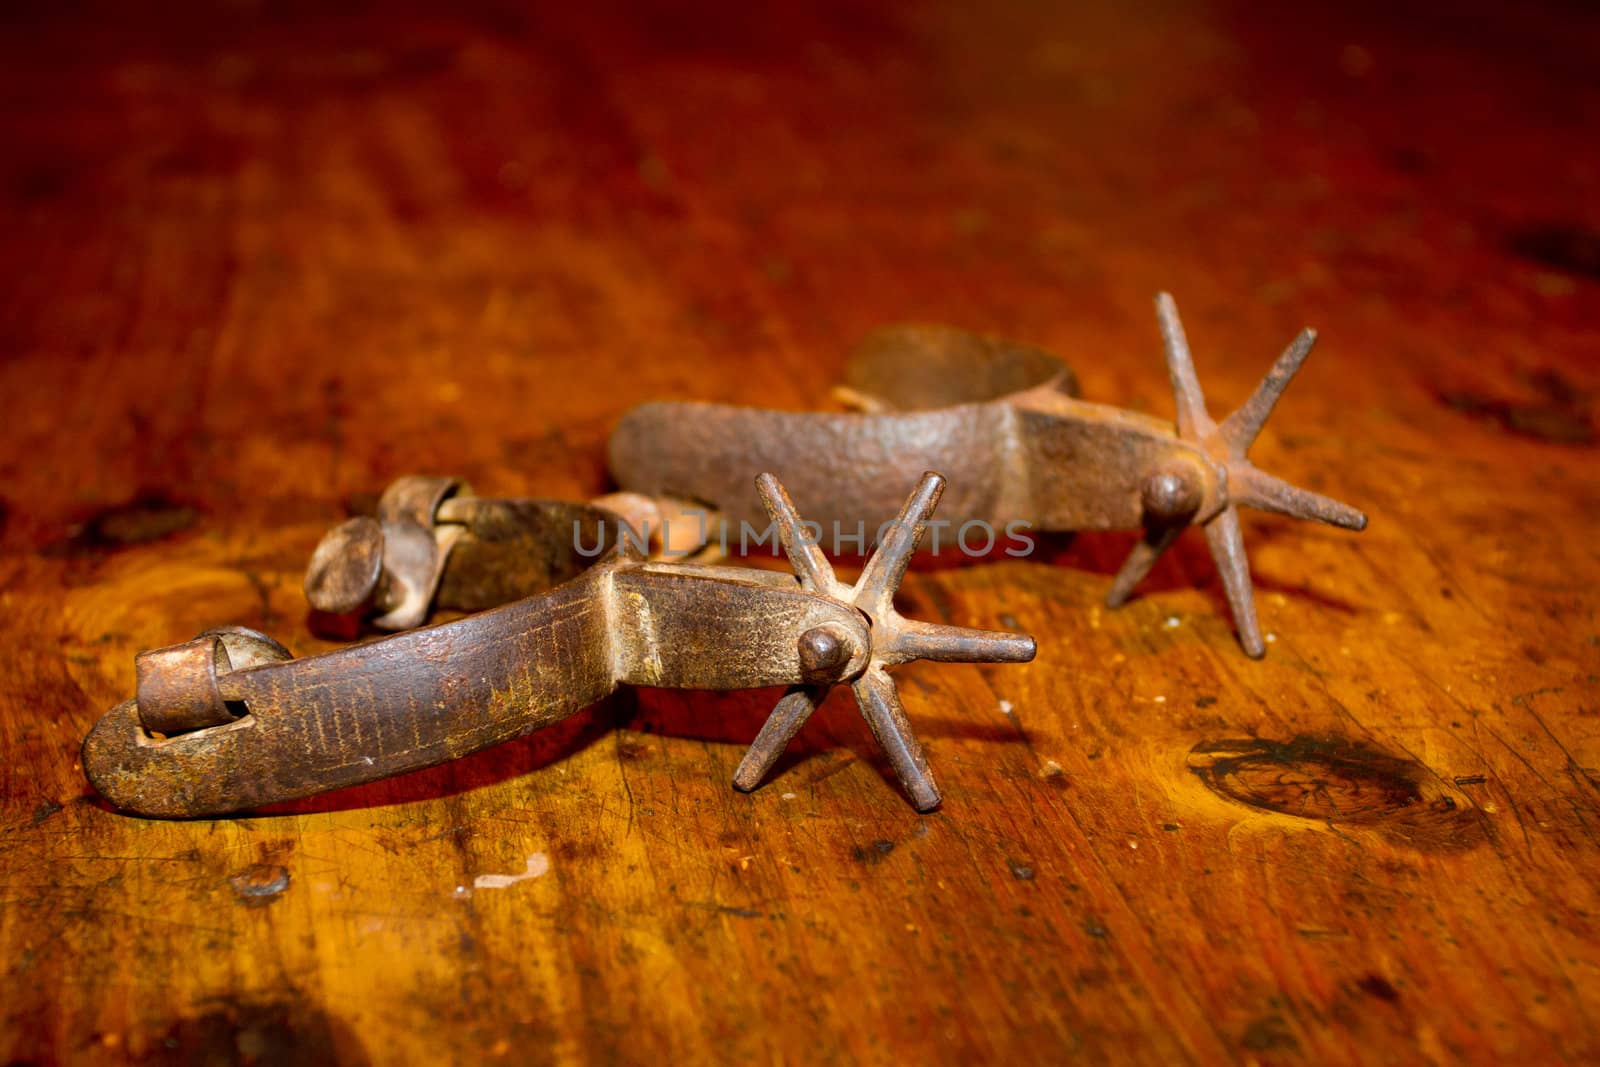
260	259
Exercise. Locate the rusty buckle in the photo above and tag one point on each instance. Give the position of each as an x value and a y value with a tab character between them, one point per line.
231	721
434	544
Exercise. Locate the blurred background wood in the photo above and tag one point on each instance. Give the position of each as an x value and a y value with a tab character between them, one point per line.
263	258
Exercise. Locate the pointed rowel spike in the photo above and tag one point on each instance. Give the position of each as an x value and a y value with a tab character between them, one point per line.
1227	550
1255	487
1194	422
880	706
1148	549
1239	430
956	644
886	567
805	555
787	717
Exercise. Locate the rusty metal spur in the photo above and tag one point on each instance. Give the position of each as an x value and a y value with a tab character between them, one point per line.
230	720
1004	421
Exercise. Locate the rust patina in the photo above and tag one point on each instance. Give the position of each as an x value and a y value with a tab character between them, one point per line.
231	721
1019	445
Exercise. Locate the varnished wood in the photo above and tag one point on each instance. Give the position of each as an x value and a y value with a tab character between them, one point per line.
260	261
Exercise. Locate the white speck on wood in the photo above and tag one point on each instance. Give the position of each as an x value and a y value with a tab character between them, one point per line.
538	864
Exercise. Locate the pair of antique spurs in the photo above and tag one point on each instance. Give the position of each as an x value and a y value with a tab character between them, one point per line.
570	605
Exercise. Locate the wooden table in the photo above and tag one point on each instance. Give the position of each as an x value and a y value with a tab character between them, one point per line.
260	261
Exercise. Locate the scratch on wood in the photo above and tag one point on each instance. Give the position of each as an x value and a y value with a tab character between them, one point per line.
538	864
